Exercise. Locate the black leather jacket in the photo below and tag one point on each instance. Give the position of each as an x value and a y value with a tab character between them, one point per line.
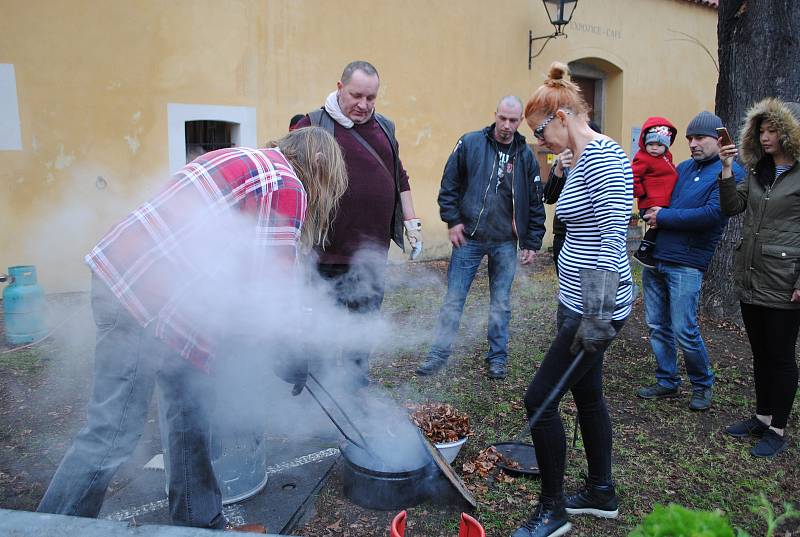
470	171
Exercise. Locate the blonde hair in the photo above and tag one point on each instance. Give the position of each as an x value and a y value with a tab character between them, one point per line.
557	93
318	162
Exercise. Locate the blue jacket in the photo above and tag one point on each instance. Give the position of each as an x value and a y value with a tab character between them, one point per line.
469	172
690	228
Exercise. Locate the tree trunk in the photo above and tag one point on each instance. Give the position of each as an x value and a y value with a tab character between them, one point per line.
759	56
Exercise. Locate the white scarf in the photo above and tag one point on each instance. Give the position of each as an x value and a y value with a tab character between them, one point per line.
333	109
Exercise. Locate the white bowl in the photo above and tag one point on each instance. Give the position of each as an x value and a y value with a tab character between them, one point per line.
449	450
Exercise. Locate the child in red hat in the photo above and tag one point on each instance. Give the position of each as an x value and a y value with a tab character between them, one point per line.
654	176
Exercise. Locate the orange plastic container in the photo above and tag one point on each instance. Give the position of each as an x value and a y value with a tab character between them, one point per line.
469	527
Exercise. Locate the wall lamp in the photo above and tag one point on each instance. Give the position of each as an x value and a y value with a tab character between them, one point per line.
560	13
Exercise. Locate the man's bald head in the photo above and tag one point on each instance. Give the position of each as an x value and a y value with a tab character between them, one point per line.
510	100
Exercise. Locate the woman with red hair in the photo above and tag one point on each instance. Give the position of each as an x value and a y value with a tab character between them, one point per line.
595	296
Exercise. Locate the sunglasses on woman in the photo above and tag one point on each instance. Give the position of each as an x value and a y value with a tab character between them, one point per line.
538	132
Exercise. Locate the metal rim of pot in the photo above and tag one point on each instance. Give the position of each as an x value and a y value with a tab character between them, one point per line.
347	447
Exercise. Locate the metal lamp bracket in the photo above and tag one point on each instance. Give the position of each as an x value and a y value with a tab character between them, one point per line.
547	38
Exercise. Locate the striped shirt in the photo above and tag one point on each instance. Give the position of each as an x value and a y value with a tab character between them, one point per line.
228	215
596	205
781	168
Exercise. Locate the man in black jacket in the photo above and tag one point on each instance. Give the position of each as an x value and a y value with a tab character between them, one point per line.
491	200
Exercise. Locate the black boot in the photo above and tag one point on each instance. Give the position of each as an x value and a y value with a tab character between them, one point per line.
547	520
597	500
644	255
431	365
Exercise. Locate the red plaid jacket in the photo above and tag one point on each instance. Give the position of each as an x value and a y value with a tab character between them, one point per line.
233	206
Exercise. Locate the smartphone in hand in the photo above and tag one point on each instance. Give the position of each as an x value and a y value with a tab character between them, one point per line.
724	137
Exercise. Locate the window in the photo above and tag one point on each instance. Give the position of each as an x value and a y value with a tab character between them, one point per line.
197	127
10	135
203	136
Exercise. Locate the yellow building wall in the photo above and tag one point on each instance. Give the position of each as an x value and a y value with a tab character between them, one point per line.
94	78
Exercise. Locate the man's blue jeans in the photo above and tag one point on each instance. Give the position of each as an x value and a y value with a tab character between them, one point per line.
464	263
129	361
671	296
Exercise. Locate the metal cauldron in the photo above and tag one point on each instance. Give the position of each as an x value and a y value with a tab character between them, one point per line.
392	466
370	483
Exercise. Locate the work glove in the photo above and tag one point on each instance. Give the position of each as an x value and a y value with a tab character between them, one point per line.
414	236
599	297
293	369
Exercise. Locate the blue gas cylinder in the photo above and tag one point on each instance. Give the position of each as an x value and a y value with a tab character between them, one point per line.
24	306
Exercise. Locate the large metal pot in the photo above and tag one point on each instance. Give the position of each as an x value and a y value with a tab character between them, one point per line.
371	483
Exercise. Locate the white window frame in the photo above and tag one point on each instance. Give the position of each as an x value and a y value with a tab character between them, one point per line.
10	131
243	132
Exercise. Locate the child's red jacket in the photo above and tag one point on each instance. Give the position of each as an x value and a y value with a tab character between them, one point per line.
653	177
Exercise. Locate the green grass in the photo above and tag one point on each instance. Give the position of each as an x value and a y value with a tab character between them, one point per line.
663	452
23	360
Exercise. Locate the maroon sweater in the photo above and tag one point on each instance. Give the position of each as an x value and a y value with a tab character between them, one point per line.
364	218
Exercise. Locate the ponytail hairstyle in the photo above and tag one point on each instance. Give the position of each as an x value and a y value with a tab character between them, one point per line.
557	93
318	162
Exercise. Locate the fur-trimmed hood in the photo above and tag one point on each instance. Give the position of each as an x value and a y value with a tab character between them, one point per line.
785	116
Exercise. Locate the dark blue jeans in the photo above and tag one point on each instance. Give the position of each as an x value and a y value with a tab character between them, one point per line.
586	384
129	361
464	263
671	297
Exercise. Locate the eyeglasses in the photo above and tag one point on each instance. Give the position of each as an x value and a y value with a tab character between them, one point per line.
538	132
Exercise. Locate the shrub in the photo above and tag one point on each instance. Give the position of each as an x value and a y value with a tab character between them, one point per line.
677	521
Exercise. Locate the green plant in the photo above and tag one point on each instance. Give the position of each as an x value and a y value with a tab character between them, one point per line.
762	507
677	521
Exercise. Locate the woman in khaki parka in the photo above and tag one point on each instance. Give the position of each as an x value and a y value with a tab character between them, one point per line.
767	265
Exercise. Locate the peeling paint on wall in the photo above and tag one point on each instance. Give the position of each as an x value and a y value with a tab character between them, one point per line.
423	134
63	160
133	139
133	143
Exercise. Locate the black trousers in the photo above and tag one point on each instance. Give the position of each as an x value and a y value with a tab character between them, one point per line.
586	384
773	340
359	288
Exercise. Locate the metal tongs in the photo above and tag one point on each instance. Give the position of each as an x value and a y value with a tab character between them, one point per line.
526	430
363	445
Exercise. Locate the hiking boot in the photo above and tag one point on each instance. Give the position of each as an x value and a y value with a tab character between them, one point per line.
597	500
701	399
656	391
645	260
497	369
431	365
546	520
771	444
750	427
